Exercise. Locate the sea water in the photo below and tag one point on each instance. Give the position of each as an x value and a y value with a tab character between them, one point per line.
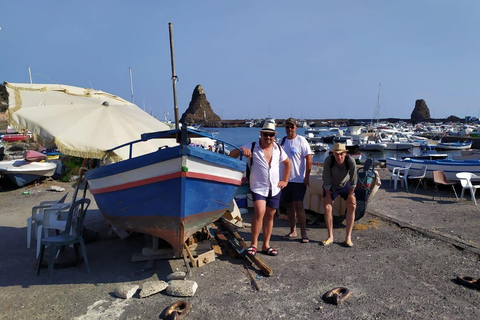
241	136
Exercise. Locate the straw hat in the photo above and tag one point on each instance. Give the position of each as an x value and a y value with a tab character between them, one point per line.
269	126
339	148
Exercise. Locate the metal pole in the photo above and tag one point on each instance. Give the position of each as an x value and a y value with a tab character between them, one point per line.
174	76
30	74
131	83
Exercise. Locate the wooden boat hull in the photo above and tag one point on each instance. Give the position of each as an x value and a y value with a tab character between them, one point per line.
170	194
450	167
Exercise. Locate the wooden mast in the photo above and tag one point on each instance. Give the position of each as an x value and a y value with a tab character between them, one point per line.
174	76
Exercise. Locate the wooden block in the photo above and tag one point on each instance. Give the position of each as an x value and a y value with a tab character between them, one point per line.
206	244
205	258
217	249
122	234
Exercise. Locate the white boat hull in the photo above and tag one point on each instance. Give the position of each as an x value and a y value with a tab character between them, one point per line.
22	172
450	167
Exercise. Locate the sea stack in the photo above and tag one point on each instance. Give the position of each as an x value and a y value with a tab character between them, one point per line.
420	112
199	110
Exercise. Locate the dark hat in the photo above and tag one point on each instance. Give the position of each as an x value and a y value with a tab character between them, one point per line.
291	121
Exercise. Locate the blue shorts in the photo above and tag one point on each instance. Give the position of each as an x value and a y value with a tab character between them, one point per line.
294	191
272	202
341	191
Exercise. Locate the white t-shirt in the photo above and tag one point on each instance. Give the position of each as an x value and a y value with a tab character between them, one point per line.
262	176
296	149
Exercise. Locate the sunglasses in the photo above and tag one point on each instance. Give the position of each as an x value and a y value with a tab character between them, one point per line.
289	127
268	134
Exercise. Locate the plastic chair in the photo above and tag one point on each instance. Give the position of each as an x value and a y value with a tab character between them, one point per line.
439	177
400	173
54	218
76	215
466	182
37	216
419	177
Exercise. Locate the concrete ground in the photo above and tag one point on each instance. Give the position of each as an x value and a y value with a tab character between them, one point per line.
408	251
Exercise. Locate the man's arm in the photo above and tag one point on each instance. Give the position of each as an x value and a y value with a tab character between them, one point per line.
286	173
308	169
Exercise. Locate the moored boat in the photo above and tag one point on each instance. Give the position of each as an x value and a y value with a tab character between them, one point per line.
454	145
450	167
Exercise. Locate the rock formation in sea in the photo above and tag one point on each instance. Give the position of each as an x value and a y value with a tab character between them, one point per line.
199	110
420	112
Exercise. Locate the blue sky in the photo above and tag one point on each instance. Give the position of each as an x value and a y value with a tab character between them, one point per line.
307	58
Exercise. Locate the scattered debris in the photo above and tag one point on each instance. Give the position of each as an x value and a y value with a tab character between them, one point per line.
178	275
178	310
337	295
182	288
372	223
152	287
126	291
56	188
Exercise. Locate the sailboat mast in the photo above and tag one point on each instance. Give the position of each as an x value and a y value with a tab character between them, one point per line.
174	76
30	74
131	82
377	108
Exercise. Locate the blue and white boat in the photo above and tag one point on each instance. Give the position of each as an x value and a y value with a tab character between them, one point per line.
170	193
454	145
450	167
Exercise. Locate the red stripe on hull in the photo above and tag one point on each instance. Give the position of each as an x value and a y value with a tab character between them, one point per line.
169	176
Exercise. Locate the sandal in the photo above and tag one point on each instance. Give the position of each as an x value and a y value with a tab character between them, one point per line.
348	244
251	251
326	243
305	240
270	252
289	236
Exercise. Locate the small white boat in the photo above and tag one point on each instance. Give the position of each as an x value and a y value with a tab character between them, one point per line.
450	167
399	146
22	172
454	145
372	146
319	146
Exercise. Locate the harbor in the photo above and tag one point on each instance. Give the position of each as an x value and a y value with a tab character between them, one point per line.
409	251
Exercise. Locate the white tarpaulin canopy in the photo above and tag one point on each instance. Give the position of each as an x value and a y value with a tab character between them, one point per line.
82	122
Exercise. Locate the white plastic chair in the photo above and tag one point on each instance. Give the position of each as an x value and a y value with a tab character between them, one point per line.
419	177
37	216
400	173
53	218
466	182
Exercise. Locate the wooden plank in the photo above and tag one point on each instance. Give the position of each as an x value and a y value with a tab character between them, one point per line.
190	256
205	258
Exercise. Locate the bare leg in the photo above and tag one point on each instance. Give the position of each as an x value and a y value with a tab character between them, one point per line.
259	212
329	219
268	227
351	207
292	219
302	218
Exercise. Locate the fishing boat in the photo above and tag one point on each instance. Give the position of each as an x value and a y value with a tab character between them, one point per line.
399	146
450	167
454	145
372	146
170	193
22	172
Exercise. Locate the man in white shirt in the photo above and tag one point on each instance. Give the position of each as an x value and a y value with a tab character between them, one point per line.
300	154
265	184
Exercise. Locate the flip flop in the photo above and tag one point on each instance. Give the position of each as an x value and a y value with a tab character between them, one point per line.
270	252
469	282
305	240
251	251
289	236
348	244
326	243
